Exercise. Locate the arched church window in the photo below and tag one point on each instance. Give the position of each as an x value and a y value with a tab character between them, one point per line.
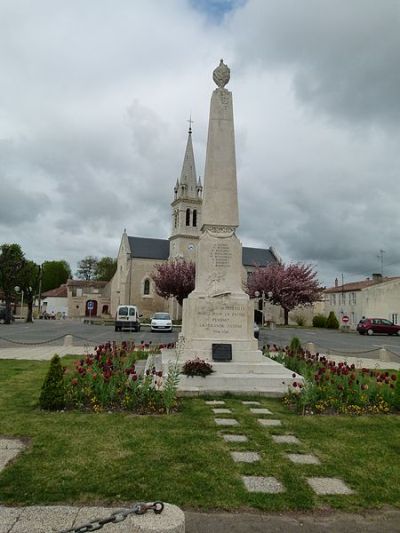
175	219
146	287
187	217
194	218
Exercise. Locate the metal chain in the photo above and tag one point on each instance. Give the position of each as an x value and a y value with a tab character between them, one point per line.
32	343
116	517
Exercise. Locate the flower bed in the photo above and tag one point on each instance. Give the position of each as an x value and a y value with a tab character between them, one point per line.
331	387
110	379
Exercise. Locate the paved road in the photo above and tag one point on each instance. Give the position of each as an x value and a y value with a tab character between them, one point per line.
54	331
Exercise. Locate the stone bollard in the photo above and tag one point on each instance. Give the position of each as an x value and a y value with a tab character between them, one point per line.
68	340
384	355
171	520
310	346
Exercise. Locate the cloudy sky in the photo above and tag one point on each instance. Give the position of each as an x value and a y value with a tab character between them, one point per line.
94	101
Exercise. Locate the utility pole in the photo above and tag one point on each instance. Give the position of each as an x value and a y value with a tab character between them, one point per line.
380	256
40	288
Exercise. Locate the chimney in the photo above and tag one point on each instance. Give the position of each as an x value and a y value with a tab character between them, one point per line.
336	282
377	277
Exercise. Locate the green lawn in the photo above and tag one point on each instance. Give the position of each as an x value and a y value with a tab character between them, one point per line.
109	458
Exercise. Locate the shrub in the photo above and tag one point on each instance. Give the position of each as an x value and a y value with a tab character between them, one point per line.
300	320
197	367
332	322
52	395
319	321
295	345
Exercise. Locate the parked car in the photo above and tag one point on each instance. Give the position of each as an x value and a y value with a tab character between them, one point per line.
161	322
127	317
3	314
377	325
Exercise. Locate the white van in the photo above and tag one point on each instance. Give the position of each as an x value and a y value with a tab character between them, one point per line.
127	317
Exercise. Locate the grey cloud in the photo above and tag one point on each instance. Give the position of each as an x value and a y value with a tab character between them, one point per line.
343	56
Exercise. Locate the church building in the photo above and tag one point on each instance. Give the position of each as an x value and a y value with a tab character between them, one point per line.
137	256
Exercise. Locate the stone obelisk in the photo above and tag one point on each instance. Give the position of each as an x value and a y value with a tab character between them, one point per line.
218	315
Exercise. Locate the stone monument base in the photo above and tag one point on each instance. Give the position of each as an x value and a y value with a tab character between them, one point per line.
220	330
264	377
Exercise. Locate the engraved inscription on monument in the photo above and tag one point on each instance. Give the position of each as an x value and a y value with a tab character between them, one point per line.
222	255
222	319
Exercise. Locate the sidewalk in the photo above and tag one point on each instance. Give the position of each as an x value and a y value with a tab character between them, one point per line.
42	352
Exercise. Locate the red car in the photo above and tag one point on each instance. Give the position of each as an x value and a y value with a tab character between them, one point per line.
377	325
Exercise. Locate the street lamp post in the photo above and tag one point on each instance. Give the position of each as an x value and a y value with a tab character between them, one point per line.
18	290
264	297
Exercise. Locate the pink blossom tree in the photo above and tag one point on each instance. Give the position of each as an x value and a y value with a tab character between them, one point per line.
289	285
174	278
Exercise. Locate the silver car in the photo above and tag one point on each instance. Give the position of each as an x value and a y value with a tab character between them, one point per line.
161	322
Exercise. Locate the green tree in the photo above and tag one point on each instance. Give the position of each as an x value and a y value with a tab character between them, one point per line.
12	261
54	274
87	268
332	322
105	268
28	281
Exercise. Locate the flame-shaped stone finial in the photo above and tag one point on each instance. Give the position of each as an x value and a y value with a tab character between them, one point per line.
221	74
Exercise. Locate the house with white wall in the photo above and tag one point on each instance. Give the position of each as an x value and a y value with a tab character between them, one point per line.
375	297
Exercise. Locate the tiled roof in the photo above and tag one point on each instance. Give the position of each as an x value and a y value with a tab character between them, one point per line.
147	248
86	283
358	285
59	292
257	257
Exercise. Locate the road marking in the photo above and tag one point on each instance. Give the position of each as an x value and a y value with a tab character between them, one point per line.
384	345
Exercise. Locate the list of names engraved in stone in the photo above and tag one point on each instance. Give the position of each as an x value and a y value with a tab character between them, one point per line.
222	255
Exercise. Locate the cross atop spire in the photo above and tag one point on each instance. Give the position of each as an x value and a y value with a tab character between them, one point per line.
187	187
190	123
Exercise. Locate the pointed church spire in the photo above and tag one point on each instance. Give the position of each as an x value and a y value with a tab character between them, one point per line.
188	181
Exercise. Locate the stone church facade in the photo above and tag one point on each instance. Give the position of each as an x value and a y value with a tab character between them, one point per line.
137	256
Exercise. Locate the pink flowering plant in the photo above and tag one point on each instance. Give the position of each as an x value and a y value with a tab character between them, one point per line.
110	379
331	387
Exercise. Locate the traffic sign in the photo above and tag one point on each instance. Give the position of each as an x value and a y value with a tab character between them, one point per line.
345	319
90	306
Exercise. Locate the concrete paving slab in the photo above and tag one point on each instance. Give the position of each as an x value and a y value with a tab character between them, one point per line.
268	485
235	438
222	411
266	422
226	422
260	411
285	439
9	449
245	457
251	403
303	458
11	444
328	485
215	402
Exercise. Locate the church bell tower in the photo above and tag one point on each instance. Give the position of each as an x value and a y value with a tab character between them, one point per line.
186	208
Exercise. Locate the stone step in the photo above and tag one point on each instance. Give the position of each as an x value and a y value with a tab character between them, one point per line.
251	383
266	367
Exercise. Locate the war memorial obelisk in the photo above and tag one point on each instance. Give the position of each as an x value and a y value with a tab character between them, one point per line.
218	316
